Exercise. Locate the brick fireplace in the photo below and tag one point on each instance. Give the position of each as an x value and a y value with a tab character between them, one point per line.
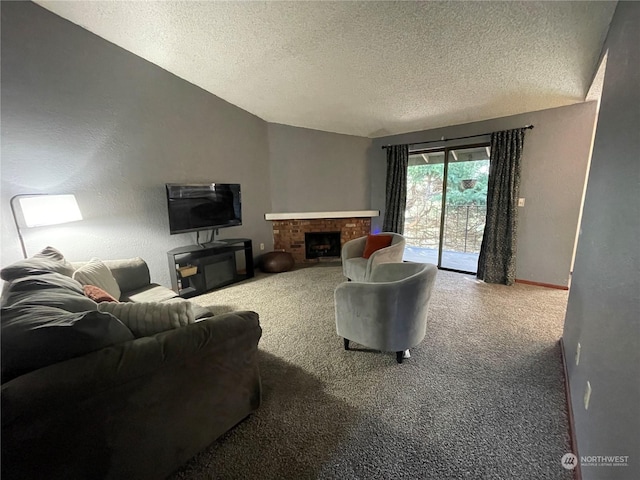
289	233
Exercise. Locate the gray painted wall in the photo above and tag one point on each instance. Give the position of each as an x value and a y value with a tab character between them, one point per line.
554	168
317	171
80	115
604	301
113	128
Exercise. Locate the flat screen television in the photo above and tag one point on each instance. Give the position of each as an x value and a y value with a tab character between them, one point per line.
209	206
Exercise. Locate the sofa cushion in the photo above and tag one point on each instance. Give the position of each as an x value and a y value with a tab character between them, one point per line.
47	261
34	336
375	243
145	319
151	293
95	272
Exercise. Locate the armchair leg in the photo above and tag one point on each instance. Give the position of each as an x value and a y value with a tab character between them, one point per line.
399	356
346	343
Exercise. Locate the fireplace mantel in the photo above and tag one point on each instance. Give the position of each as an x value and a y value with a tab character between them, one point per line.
315	215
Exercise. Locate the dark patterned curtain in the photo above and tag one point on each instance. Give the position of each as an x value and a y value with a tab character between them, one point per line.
497	260
396	189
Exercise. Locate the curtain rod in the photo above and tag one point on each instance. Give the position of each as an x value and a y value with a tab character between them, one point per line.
528	127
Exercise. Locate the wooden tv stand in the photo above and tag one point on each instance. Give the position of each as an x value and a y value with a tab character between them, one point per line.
196	269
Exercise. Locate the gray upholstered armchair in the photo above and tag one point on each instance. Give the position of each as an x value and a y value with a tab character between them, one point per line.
357	268
388	313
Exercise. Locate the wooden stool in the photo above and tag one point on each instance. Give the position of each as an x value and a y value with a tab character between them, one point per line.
276	262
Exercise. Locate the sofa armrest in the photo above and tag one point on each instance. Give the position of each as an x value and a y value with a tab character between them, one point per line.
133	410
109	367
131	273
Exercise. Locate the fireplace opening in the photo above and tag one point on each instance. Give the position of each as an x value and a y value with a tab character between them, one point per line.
321	244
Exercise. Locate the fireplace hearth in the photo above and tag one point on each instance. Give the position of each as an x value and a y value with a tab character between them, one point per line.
321	244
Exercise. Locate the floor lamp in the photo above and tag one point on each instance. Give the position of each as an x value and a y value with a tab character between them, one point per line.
39	210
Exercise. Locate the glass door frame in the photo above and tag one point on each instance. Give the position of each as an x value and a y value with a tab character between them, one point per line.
445	176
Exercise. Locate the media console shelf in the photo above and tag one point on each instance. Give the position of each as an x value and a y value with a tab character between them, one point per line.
197	269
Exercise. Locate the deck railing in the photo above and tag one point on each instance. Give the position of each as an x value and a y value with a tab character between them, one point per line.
463	229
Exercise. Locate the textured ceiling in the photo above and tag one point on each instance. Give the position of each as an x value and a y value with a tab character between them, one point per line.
364	67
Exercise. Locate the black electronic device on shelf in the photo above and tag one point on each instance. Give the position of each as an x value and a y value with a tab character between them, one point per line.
203	206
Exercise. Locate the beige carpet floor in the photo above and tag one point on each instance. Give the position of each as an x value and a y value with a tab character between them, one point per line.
482	397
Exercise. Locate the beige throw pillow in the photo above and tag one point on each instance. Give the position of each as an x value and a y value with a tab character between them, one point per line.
148	318
95	272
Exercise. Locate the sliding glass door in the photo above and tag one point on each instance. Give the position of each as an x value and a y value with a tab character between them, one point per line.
423	214
465	208
446	206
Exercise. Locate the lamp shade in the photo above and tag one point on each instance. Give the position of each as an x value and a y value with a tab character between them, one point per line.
41	210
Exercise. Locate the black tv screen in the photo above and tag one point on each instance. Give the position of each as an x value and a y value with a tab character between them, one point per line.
208	206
